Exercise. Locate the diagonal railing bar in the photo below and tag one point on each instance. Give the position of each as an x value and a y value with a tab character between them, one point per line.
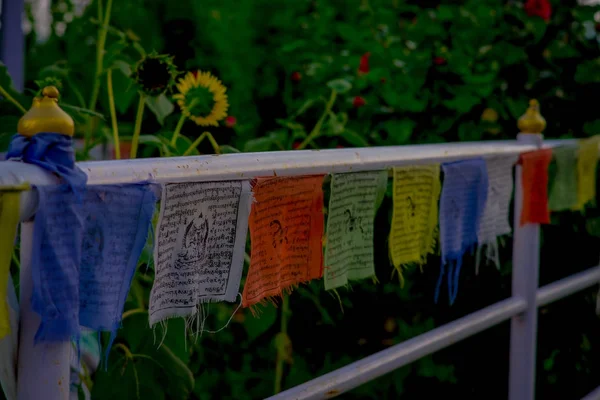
385	361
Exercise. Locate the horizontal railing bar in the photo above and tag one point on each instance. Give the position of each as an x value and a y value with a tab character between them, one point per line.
593	395
286	163
385	361
568	286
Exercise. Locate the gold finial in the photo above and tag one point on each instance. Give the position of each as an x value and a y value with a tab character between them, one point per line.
532	121
46	116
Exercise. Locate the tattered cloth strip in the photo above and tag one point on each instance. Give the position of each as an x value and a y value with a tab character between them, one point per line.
84	256
494	221
462	202
563	192
415	215
50	151
286	233
9	221
200	243
534	181
353	203
586	171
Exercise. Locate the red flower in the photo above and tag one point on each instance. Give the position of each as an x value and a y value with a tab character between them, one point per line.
363	67
296	76
358	102
539	8
339	146
230	121
439	60
295	145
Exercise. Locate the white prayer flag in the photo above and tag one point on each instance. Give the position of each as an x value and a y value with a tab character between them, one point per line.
200	246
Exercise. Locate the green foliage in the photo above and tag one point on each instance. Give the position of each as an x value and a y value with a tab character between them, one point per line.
439	71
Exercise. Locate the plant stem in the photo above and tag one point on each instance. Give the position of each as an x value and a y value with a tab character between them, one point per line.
113	114
138	126
177	130
129	313
8	97
317	129
103	29
281	357
204	135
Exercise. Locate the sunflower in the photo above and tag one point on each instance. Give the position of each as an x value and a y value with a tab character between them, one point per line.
202	98
155	73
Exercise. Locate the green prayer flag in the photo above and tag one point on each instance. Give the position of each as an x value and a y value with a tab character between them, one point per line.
353	203
563	192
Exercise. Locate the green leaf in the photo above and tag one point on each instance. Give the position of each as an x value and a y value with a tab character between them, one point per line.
227	149
113	53
588	71
592	127
340	85
258	145
124	91
399	131
354	138
462	103
180	378
469	132
404	101
161	106
7	84
257	325
122	66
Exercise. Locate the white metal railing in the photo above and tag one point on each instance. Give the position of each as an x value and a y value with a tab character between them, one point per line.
48	365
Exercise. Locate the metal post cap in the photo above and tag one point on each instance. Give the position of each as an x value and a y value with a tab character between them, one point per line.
45	115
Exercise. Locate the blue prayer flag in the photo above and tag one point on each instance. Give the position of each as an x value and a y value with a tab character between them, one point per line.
85	255
463	198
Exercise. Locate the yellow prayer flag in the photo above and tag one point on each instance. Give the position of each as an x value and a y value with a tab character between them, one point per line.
415	215
586	171
9	220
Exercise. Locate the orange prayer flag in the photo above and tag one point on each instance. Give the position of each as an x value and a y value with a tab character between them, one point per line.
286	232
535	186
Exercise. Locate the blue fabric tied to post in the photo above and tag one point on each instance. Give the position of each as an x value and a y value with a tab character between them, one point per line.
52	152
85	255
463	199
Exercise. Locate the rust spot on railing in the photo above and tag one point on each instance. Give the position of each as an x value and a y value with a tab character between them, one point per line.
332	393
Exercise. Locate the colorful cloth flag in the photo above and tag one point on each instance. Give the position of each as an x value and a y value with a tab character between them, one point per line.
353	203
494	221
586	171
286	232
85	254
9	221
462	202
415	214
563	192
116	221
200	243
9	347
534	181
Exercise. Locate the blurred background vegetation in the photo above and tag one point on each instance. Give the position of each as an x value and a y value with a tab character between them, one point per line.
327	74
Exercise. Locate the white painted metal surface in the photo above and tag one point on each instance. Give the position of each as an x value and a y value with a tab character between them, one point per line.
525	275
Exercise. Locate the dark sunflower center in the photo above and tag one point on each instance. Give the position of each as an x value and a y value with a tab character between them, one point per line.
199	101
154	75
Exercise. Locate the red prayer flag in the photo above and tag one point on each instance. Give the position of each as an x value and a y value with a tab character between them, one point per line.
534	182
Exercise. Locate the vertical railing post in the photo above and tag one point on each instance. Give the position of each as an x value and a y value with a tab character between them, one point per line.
525	270
43	368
